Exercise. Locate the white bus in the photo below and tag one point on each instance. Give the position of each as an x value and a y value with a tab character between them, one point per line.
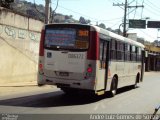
77	57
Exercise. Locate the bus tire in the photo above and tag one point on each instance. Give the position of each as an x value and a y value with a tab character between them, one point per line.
136	81
113	89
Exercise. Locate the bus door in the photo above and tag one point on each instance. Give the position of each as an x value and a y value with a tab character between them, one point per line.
103	66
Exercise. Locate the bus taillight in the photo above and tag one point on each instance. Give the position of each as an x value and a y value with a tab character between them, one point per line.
41	46
40	66
89	70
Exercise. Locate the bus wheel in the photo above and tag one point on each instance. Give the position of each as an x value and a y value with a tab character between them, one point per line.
113	87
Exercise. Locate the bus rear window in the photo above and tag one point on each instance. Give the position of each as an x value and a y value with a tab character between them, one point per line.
66	38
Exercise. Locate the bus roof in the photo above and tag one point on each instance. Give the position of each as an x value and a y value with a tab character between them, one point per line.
105	32
116	36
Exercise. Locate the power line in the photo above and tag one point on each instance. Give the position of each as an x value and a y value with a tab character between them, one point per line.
117	1
147	34
135	10
37	9
152	7
142	9
132	2
131	11
110	19
95	19
151	11
56	6
117	23
125	13
155	6
52	14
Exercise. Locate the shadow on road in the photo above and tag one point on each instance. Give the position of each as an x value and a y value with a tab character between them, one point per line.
58	98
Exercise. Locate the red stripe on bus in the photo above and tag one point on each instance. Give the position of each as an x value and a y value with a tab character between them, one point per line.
93	52
41	46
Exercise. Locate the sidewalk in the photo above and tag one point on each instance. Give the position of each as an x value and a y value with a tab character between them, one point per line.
152	73
18	83
14	88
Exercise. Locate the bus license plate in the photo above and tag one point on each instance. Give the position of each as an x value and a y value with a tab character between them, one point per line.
63	73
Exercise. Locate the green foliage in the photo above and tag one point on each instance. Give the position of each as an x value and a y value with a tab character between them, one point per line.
38	12
29	9
6	3
82	20
102	25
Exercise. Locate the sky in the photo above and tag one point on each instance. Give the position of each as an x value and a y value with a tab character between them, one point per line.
103	11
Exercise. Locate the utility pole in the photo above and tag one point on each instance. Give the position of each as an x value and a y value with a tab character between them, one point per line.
125	14
47	11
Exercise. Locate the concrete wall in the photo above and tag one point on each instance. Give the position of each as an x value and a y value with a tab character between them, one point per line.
14	65
19	46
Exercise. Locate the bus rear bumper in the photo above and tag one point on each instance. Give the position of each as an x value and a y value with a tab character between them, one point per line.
88	84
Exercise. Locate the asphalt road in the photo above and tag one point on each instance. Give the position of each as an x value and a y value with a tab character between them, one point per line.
140	100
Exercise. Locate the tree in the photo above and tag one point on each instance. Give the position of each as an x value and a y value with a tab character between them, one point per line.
68	16
109	29
102	25
88	21
82	20
6	3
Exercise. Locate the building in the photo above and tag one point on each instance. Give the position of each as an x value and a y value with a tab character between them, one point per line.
152	62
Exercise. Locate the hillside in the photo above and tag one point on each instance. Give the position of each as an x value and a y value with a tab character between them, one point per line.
38	12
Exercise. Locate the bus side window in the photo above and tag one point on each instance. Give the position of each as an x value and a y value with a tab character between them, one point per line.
136	53
101	52
133	53
120	51
139	54
127	52
105	52
113	49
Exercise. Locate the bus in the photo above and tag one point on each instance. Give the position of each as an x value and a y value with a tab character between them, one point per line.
77	57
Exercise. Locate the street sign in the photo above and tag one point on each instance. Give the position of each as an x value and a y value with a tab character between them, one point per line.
153	24
137	23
